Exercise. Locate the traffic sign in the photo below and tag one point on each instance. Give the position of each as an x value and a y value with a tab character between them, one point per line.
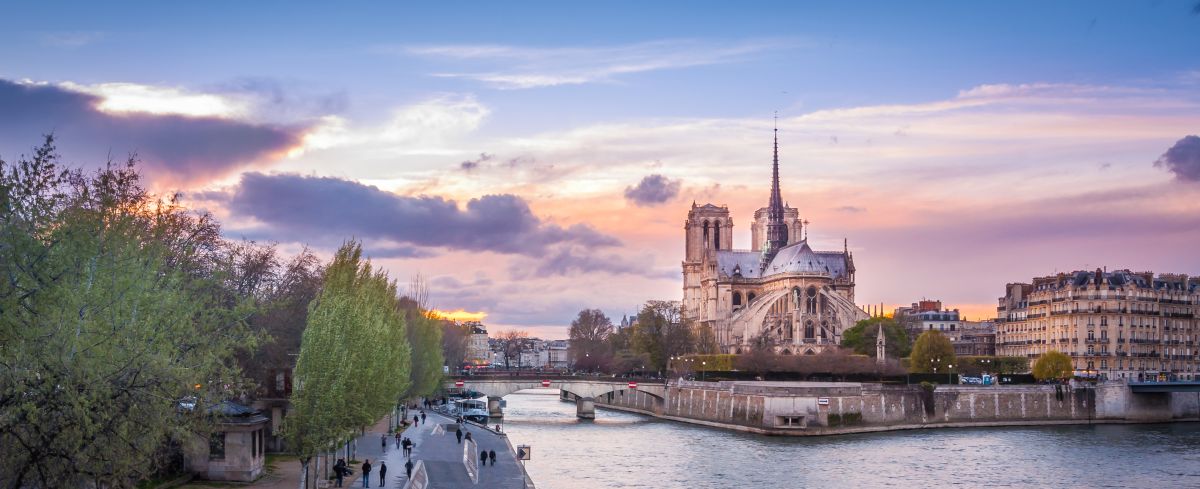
545	383
633	385
523	452
458	383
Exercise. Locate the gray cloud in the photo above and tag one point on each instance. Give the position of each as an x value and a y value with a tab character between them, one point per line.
171	146
568	260
1183	159
297	208
850	209
470	165
652	190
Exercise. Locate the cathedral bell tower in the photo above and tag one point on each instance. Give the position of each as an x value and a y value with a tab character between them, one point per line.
708	229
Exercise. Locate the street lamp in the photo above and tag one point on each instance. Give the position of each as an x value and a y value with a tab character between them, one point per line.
949	375
703	370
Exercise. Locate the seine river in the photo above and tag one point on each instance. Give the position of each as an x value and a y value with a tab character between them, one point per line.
628	450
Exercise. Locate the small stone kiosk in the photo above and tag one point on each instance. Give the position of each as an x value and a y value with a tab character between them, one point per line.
235	450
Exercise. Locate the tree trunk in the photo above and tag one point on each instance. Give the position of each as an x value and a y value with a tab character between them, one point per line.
304	472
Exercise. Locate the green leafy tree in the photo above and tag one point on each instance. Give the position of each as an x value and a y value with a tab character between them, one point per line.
354	356
861	337
118	324
1053	365
932	353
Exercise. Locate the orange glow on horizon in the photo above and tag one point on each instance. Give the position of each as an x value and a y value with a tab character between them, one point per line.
458	315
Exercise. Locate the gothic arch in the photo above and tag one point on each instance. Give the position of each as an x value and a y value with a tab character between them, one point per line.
750	297
737	299
716	236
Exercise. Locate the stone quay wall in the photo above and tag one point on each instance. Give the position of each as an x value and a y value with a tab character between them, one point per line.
824	408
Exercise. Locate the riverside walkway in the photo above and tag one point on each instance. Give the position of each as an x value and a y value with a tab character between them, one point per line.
442	455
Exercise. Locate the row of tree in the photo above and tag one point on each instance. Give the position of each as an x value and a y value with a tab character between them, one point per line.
126	318
648	345
658	335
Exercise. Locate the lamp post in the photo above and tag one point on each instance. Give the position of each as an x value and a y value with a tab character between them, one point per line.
949	374
702	370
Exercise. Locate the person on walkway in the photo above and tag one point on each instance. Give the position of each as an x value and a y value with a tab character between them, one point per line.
482	458
458	434
468	436
339	470
398	438
416	420
366	468
422	417
408	469
383	442
492	455
382	472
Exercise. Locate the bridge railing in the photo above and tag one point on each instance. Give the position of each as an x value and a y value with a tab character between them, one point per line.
535	376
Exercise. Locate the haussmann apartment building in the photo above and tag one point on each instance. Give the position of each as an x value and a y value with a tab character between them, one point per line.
1113	325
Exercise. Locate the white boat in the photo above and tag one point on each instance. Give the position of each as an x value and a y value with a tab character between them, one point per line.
472	409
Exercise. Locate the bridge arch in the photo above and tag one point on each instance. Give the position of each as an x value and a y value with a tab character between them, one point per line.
583	390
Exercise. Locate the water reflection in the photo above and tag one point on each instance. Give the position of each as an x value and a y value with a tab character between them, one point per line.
628	450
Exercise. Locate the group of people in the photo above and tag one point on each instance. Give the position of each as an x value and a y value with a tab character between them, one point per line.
459	434
341	470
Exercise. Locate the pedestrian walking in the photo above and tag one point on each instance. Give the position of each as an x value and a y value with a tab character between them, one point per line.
366	468
382	472
416	420
483	458
422	417
408	469
339	470
383	442
398	438
492	455
458	434
468	436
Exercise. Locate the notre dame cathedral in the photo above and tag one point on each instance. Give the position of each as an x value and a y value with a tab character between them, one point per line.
781	291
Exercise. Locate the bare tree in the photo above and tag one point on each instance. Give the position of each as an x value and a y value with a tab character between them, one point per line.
589	340
512	343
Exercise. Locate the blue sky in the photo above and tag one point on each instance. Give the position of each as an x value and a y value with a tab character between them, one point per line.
901	124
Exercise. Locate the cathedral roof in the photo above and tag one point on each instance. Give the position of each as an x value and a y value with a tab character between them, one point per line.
795	258
732	263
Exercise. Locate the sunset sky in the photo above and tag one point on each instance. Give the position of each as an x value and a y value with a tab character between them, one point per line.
531	160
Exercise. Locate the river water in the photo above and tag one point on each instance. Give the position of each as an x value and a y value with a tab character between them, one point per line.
620	449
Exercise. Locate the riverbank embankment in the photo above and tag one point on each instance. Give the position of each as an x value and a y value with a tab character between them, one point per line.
828	408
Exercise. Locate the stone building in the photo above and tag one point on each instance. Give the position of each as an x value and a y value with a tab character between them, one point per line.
972	338
1117	324
796	298
477	344
235	450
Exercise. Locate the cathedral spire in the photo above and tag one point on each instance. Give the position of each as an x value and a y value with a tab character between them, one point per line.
777	232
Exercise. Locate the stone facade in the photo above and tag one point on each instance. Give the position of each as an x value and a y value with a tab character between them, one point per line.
826	408
797	299
234	451
477	345
1117	324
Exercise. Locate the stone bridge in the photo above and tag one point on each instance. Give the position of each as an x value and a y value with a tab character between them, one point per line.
584	390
